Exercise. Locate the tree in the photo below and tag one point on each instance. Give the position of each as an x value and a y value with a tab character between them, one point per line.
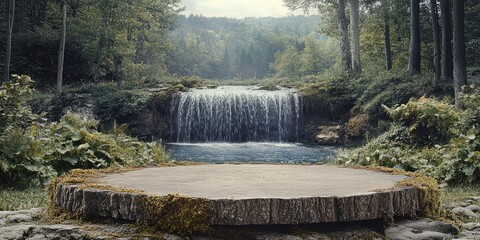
415	47
388	49
8	51
459	69
342	24
61	50
446	24
355	25
343	30
437	49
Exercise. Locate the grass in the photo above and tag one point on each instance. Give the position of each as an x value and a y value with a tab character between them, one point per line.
459	193
15	199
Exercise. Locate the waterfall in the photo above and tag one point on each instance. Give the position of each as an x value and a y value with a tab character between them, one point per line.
236	114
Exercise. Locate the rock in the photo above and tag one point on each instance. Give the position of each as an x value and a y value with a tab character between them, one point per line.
357	125
14	232
469	235
9	217
280	236
464	211
17	218
155	90
37	232
471	226
475	198
421	229
171	237
474	208
329	134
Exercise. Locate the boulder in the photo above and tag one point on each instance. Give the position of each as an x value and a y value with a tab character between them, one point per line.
330	134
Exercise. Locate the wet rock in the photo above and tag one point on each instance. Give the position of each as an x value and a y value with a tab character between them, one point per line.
330	134
421	229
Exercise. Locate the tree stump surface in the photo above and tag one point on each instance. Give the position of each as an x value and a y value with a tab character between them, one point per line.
252	194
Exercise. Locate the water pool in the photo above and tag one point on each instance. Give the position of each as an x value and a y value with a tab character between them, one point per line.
252	152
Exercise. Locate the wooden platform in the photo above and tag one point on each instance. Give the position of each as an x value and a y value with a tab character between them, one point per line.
253	194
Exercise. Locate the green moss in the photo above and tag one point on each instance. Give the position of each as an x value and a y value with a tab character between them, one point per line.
429	192
177	214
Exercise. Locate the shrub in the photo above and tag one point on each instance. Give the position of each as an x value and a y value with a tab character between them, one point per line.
455	159
121	105
428	120
32	151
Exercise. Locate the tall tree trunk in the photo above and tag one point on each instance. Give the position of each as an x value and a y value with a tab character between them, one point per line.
415	57
343	30
61	50
446	24
8	50
355	24
388	49
459	72
436	42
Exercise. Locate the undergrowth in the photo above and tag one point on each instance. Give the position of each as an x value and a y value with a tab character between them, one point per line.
32	151
428	136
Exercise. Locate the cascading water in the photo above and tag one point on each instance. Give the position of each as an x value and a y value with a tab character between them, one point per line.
236	114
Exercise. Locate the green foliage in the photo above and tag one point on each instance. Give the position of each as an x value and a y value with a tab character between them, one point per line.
32	151
375	88
311	58
223	48
124	105
428	120
331	93
450	141
106	39
14	112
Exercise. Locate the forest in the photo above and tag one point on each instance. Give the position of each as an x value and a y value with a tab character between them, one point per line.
100	84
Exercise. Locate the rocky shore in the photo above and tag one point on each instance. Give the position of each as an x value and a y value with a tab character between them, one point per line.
26	224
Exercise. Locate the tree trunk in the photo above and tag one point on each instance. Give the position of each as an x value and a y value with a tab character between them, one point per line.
446	24
415	57
436	42
344	42
8	50
61	50
355	24
388	49
459	70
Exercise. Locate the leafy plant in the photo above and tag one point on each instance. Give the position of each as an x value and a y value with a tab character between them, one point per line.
428	120
33	151
455	159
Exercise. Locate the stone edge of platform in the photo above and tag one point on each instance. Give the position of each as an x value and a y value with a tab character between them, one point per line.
387	204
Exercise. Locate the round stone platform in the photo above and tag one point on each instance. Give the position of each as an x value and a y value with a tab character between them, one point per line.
253	194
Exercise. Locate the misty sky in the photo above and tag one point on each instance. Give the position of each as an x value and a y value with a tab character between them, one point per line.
236	8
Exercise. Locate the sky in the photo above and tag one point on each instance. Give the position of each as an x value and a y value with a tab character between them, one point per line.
237	8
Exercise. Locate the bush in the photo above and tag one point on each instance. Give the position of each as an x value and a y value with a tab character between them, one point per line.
33	151
428	120
450	149
332	95
120	105
387	88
